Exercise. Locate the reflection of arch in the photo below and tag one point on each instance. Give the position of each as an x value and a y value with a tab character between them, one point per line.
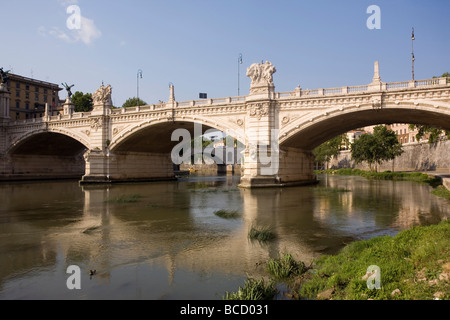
309	132
122	138
21	140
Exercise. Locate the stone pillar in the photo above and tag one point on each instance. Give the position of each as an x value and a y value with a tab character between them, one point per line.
261	157
265	165
98	158
376	84
68	107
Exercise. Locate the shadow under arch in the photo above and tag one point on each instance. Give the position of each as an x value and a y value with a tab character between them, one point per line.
309	132
44	154
156	135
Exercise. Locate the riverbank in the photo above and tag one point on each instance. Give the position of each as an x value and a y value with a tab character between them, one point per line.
439	183
413	265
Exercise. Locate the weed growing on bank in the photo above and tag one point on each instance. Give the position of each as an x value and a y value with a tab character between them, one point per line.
261	234
285	267
227	214
253	290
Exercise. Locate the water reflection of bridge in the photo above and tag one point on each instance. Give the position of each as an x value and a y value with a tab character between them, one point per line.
174	226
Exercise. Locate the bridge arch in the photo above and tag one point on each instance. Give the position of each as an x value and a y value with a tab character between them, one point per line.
311	131
18	141
46	154
161	131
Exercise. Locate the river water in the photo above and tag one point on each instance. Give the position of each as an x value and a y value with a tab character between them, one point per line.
162	240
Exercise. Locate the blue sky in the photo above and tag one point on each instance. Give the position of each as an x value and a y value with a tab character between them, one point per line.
195	44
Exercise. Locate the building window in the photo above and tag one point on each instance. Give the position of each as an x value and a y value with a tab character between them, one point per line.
27	95
27	105
17	85
45	91
27	87
17	93
17	104
37	89
17	116
37	96
45	98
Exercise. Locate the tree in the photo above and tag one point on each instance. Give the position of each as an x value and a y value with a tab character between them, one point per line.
382	146
432	132
134	102
330	149
444	75
82	102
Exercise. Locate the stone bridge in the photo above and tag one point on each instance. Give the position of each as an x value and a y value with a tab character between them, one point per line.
279	130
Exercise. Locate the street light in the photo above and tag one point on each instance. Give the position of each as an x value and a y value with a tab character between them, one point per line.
412	52
139	75
239	73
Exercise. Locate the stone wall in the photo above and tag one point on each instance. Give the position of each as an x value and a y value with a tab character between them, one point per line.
416	157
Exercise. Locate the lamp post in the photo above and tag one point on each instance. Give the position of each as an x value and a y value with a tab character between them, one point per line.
412	52
139	75
239	73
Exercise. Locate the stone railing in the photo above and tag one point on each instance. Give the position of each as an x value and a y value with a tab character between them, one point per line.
390	86
427	83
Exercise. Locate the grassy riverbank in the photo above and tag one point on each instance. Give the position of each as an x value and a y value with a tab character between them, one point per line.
413	265
385	175
436	183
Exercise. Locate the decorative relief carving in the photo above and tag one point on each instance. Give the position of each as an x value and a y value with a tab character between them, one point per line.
96	123
86	132
376	103
259	110
240	122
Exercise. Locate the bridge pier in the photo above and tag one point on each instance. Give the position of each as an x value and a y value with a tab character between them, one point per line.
291	167
108	167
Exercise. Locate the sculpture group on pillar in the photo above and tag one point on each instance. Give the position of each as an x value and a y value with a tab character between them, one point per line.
261	74
102	96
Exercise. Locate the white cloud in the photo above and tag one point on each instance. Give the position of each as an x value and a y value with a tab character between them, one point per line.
87	33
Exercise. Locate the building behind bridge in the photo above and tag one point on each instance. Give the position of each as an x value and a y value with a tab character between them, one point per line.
29	96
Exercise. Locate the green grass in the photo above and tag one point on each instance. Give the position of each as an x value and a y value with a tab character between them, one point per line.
227	214
126	199
285	267
261	234
253	290
385	175
415	261
441	191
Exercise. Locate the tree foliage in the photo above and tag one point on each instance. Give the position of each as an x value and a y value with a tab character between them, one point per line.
82	102
134	102
382	146
330	149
